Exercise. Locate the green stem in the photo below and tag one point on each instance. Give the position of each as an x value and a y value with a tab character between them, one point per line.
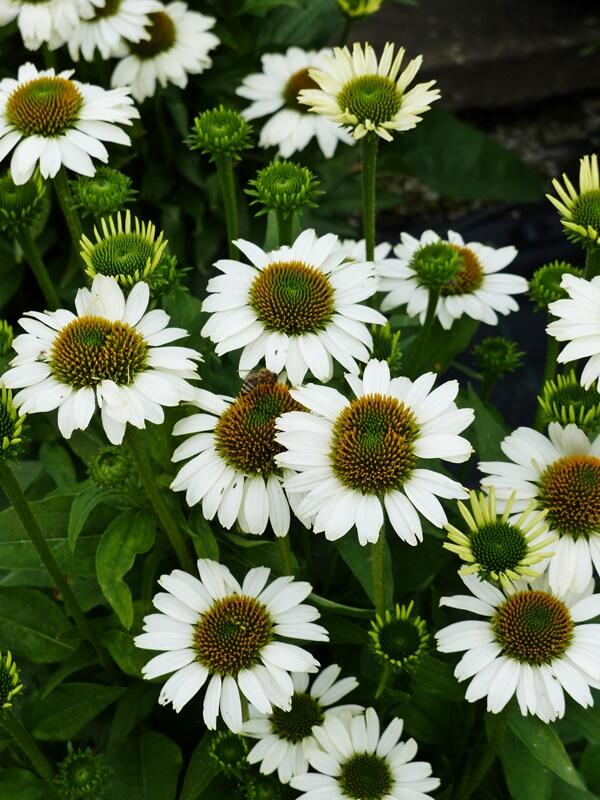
378	572
592	261
65	199
26	743
19	502
154	494
346	30
552	348
285	227
472	781
470	373
414	358
34	259
369	171
285	555
486	387
228	191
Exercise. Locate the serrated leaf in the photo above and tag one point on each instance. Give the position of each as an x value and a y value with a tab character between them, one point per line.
144	769
33	626
131	533
66	710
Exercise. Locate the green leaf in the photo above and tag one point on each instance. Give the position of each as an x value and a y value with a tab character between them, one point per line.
358	558
487	430
131	533
144	769
19	784
260	7
437	677
66	710
525	777
205	542
543	743
83	505
121	647
58	463
83	657
133	707
590	767
340	608
33	626
200	772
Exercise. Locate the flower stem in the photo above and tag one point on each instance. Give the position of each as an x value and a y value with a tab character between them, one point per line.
549	373
414	359
592	261
34	259
157	500
26	743
472	781
19	502
378	572
227	183
346	30
285	555
369	171
284	227
65	199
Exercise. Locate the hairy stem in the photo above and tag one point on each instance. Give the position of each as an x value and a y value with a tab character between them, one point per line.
592	261
228	192
285	227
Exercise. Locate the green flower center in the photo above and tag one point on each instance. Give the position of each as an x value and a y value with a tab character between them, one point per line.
372	448
162	37
245	432
586	210
18	200
8	419
231	634
533	627
44	106
109	9
498	546
299	80
400	639
297	723
570	490
365	776
371	97
123	254
447	268
92	349
292	297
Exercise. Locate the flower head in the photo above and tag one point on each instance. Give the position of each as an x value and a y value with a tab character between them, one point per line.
81	775
545	285
356	760
229	634
230	752
112	26
497	549
529	644
10	682
109	355
107	192
51	120
21	206
580	210
298	307
565	400
386	347
578	324
399	639
360	8
51	21
285	187
220	132
355	458
274	92
465	274
11	425
113	468
231	452
561	474
289	732
367	95
127	250
178	44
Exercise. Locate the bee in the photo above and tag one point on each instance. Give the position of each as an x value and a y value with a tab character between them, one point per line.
258	377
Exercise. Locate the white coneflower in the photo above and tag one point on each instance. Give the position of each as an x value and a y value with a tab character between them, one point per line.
178	45
357	90
358	459
299	308
356	760
51	21
467	277
110	355
580	210
528	644
274	93
561	474
231	449
286	737
51	120
578	324
229	634
111	27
